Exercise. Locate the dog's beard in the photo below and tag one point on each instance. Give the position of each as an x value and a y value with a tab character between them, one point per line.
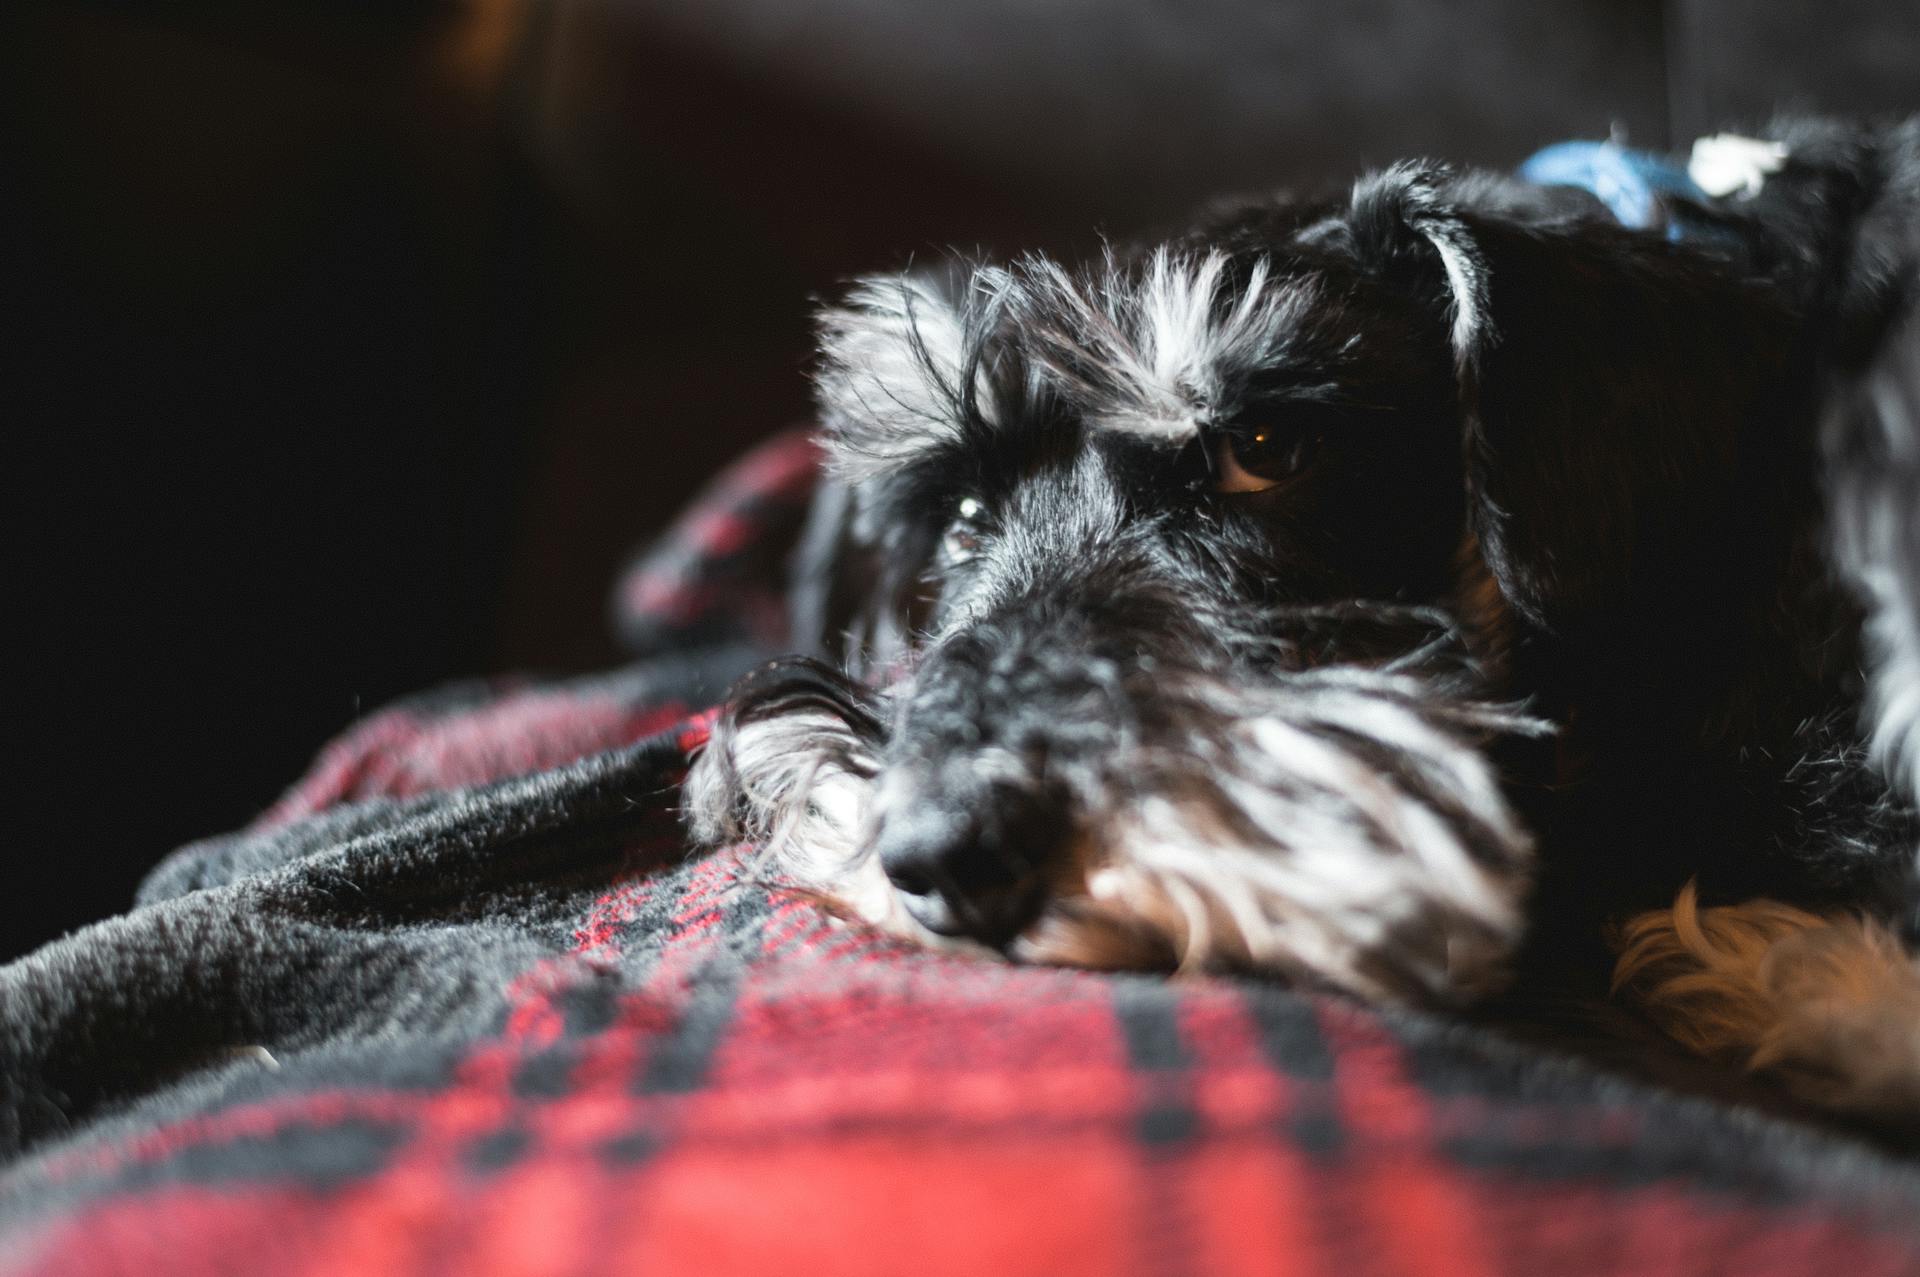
1339	826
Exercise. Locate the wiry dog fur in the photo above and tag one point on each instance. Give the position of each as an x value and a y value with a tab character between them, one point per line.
1332	825
1187	599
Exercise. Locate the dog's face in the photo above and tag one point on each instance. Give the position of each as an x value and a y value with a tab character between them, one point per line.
1172	610
1166	536
1297	430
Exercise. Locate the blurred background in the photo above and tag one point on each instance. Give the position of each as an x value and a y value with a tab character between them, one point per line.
353	347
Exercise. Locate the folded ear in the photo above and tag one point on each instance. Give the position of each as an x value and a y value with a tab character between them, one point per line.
1626	401
1403	224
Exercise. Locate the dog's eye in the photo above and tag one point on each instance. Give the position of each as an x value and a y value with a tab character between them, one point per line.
1260	457
963	536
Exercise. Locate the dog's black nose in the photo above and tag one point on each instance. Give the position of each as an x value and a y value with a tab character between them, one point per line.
979	874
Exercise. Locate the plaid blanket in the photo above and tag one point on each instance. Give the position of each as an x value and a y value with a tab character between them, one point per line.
461	1003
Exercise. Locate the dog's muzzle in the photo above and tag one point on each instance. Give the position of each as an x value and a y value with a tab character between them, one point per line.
992	767
1109	768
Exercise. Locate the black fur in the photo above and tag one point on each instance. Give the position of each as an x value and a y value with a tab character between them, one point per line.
1543	459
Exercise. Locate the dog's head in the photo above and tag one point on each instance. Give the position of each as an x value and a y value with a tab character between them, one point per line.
1176	581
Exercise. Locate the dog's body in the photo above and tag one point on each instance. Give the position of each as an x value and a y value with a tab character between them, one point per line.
1335	588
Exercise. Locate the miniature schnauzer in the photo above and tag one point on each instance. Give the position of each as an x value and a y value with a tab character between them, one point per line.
1387	592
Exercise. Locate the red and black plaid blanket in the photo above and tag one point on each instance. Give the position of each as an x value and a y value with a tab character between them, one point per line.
460	1003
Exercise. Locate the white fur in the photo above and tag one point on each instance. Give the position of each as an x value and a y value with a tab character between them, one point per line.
782	786
1304	859
1877	541
1151	352
1148	351
1418	202
1466	281
1894	687
892	362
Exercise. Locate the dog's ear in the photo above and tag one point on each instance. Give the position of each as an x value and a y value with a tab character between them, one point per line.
1614	389
1404	226
849	601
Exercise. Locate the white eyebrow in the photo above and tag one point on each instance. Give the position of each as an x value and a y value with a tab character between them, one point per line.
1156	352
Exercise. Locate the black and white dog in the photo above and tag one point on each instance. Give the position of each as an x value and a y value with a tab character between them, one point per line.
1390	592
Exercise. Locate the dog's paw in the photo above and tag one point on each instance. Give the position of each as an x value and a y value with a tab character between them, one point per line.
1827	1004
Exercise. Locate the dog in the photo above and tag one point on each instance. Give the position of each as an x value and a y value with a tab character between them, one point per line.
1407	591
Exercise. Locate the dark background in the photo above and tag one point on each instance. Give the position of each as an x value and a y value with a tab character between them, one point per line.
350	354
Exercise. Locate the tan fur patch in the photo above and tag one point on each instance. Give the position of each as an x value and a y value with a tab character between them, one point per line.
1482	609
1829	1004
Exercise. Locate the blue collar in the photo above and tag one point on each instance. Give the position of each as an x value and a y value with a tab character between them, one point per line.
1640	188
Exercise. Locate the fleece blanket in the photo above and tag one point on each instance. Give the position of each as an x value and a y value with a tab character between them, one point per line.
462	1002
